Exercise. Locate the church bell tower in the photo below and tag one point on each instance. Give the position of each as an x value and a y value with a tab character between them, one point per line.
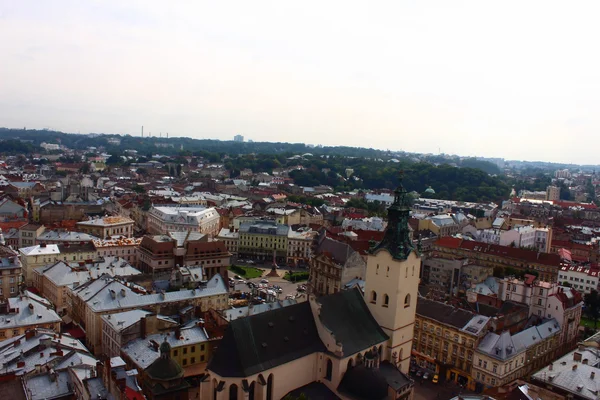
392	281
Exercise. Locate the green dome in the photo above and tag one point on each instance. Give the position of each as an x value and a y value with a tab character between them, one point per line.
164	368
430	190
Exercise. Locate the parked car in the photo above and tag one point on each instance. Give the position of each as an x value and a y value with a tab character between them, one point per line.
419	373
264	281
436	378
241	281
250	262
237	277
426	375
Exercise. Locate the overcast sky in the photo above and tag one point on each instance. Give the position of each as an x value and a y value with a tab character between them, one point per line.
512	79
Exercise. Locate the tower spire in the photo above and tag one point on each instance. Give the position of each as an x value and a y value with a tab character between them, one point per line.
396	239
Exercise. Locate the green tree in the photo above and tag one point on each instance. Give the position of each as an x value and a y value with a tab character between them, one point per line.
592	306
114	160
85	168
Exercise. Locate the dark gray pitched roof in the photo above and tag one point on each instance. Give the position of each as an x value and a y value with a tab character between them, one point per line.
348	317
263	341
444	313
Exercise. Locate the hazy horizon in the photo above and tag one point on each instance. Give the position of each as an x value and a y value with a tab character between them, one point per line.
512	80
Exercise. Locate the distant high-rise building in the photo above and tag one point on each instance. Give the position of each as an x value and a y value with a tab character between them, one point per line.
238	138
553	193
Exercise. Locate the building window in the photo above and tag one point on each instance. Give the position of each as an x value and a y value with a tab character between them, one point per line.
373	297
407	301
539	302
329	371
386	300
185	361
377	270
185	350
174	353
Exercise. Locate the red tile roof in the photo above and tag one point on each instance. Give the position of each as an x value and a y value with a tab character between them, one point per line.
501	251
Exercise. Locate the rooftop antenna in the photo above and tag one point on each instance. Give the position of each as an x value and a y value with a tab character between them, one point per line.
167	135
142	130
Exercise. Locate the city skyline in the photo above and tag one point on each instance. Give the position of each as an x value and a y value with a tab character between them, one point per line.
468	78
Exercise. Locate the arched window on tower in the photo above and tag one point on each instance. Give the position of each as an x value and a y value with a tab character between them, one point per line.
233	392
388	272
386	300
373	297
413	271
329	371
377	270
407	301
406	273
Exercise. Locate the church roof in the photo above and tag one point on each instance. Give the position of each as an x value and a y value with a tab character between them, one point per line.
347	316
264	341
365	383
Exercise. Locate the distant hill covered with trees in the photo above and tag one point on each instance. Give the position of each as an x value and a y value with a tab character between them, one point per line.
341	167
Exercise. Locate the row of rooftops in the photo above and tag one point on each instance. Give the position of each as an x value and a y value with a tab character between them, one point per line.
505	346
522	255
65	273
446	314
108	294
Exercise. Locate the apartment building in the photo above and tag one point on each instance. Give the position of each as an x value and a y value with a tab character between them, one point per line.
161	253
126	248
583	278
502	358
335	265
28	234
36	256
547	300
545	264
299	246
37	349
445	339
163	219
88	302
574	375
107	227
25	312
447	276
121	328
54	280
189	346
230	239
10	272
263	240
529	236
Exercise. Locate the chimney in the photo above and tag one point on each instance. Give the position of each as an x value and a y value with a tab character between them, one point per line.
574	367
550	367
177	332
577	356
123	292
143	327
592	375
29	334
